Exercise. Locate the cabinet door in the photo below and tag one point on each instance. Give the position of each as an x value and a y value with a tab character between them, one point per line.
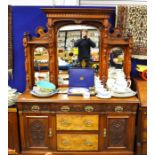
36	132
119	132
13	137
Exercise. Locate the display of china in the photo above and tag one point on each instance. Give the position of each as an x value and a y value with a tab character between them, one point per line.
12	96
43	88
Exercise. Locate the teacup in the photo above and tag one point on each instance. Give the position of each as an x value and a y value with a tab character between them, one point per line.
110	83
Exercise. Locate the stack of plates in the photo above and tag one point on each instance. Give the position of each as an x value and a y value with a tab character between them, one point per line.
44	89
40	94
12	96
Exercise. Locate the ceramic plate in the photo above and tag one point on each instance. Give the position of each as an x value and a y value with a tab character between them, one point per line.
39	95
124	95
105	96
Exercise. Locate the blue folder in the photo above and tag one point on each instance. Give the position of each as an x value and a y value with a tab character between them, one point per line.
81	77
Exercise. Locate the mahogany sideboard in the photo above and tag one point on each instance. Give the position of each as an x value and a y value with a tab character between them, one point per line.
70	125
141	87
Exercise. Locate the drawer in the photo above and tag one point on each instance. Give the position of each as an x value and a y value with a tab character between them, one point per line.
35	107
77	142
77	122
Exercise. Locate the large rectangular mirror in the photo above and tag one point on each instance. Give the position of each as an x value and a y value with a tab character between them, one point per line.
76	43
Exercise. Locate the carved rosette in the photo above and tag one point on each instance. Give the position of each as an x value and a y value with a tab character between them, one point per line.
117	132
37	131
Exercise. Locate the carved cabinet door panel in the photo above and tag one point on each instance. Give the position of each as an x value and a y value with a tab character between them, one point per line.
37	132
119	132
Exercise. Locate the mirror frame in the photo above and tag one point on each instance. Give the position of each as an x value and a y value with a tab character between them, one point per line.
58	17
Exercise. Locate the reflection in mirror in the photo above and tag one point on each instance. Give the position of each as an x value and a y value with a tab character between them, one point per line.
72	50
41	64
116	58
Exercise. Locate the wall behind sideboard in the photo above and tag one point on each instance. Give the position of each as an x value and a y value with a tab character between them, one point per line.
26	19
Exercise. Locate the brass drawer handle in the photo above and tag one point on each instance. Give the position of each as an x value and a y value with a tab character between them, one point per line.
88	143
65	123
89	108
65	142
88	123
50	132
119	109
65	108
35	108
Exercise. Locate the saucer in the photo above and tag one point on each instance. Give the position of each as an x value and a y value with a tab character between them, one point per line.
129	94
104	96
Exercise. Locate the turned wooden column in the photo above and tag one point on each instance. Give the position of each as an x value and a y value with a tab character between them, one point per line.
53	68
27	61
103	72
127	59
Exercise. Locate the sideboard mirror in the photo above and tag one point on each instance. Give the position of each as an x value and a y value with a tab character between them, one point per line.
41	64
68	54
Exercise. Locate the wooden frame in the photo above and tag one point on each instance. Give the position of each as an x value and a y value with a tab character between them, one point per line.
58	17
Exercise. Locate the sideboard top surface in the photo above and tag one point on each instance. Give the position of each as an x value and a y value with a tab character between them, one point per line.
141	87
64	98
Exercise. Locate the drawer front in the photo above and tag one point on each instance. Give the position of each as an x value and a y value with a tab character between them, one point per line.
77	142
77	122
35	107
95	108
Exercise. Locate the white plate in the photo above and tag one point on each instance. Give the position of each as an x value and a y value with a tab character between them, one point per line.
100	96
123	95
47	95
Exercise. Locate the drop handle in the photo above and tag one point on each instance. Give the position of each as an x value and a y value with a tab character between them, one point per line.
65	108
35	108
50	133
88	123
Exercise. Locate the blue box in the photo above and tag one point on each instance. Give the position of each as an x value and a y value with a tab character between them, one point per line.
81	77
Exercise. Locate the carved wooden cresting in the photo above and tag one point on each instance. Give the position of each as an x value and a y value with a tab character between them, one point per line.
56	18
